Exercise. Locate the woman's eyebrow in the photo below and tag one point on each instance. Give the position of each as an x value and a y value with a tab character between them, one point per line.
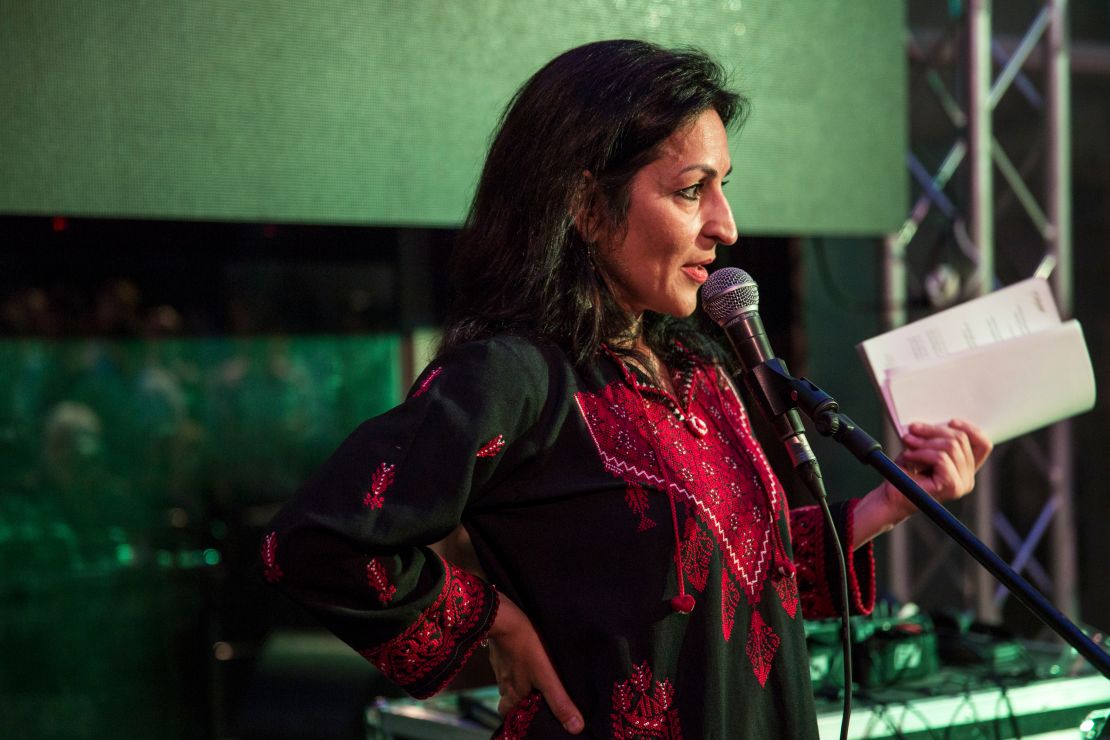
711	171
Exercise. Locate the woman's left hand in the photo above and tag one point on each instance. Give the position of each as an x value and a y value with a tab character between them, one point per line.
942	459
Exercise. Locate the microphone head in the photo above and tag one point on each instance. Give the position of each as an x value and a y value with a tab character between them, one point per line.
728	293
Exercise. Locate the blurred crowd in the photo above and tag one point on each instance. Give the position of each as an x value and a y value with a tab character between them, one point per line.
116	309
155	426
136	457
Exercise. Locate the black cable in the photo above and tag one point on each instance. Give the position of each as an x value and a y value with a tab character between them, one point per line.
967	700
880	714
1004	696
907	707
811	475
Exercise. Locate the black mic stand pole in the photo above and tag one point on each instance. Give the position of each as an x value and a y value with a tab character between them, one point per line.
775	382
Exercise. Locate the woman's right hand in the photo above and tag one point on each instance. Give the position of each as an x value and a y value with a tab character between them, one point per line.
521	666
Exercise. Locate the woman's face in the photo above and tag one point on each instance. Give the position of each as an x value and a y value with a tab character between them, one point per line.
677	215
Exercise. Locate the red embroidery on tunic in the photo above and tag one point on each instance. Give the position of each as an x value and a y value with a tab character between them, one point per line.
269	558
427	382
807	525
379	581
491	448
519	718
721	482
431	643
730	600
714	478
697	551
379	483
643	709
723	477
637	499
787	589
761	647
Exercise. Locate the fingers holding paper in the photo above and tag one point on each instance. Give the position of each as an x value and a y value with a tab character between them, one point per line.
943	458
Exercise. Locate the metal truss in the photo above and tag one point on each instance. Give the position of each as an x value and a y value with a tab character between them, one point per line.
970	228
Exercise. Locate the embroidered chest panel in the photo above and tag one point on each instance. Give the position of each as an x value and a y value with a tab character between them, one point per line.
706	458
721	475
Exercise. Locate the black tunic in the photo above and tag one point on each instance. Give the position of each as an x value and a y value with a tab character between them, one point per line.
593	500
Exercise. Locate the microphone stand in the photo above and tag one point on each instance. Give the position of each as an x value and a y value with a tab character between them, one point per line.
785	391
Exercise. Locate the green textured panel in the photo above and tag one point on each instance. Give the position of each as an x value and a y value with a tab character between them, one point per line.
379	112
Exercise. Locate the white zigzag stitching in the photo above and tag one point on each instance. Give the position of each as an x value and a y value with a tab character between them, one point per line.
616	466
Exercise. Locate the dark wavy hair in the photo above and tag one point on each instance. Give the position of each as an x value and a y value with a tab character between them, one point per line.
521	266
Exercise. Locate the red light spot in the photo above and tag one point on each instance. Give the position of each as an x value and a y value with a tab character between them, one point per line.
59	224
269	231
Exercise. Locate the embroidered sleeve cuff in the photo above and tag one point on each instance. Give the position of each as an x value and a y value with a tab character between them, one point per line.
432	650
817	570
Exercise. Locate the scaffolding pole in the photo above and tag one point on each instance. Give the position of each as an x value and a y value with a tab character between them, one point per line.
1058	187
973	225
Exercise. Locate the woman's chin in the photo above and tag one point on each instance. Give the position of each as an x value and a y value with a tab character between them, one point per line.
686	308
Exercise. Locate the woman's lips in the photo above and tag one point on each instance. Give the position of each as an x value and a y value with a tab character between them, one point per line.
697	273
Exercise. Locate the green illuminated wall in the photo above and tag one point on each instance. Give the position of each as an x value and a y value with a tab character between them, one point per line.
378	112
167	421
133	477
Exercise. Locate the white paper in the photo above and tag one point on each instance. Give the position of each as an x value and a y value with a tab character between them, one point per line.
1008	388
1020	309
1003	361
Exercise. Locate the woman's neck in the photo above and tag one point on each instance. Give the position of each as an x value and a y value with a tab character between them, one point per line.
656	368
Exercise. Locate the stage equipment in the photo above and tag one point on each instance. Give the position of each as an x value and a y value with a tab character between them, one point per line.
885	652
949	702
970	102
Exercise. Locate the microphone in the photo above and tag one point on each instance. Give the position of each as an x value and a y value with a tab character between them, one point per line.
731	298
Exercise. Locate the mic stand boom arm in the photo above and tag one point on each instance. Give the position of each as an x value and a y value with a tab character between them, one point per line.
774	381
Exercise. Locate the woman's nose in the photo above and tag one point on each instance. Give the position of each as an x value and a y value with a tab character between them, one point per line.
721	227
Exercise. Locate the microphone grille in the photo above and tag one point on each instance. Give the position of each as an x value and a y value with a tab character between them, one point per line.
729	292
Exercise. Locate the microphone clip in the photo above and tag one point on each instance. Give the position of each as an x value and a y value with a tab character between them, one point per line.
780	391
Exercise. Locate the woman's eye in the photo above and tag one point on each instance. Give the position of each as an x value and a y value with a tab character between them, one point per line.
691	193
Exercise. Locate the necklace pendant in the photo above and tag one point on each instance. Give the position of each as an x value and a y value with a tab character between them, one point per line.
696	426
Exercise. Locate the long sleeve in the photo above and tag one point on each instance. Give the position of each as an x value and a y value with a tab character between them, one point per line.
817	570
351	546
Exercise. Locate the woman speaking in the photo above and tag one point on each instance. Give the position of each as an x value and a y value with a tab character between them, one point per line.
643	575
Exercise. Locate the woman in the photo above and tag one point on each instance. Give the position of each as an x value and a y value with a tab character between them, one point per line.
642	575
